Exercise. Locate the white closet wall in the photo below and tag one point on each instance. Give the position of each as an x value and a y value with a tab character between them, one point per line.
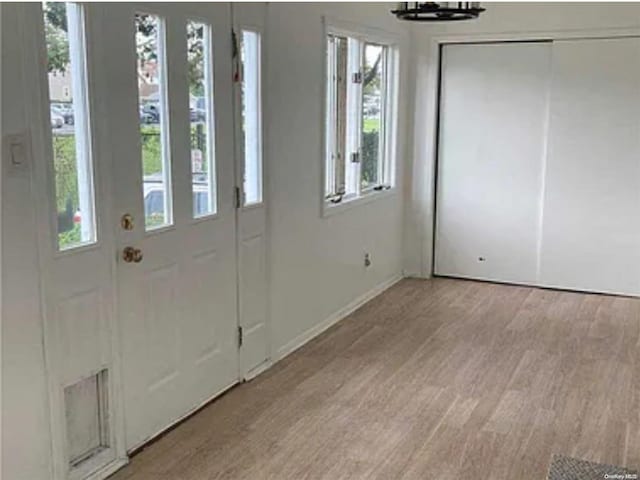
591	229
493	115
539	164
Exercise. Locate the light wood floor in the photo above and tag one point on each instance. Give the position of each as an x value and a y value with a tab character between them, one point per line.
434	379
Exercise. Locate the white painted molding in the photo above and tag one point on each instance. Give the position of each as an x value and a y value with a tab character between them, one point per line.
317	329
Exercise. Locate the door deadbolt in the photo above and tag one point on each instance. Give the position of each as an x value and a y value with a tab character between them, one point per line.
132	255
126	221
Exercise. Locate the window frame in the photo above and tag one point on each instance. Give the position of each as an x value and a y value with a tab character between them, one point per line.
387	167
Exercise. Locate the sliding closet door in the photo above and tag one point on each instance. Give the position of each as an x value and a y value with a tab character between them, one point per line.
591	228
493	117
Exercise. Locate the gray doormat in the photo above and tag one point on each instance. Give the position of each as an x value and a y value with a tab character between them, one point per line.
567	468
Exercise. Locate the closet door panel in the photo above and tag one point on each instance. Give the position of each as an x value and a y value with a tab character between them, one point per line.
493	114
591	220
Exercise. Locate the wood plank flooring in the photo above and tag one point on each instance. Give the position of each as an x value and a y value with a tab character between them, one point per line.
434	379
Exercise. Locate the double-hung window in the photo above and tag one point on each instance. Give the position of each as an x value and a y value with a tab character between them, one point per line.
360	114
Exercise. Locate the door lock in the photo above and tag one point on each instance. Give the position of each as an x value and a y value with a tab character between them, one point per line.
132	255
126	221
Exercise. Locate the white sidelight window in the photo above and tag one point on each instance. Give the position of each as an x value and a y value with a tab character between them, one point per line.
251	117
70	127
154	120
201	113
360	114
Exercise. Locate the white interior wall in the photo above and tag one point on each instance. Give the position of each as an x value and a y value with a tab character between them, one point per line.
499	20
317	262
25	426
316	269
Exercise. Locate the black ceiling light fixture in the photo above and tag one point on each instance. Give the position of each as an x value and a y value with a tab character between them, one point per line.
438	11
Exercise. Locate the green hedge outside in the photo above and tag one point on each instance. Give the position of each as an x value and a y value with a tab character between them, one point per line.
66	183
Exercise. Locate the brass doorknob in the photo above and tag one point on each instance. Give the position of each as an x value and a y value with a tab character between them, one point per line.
132	255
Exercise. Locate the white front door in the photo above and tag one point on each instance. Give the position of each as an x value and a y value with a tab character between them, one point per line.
69	158
168	73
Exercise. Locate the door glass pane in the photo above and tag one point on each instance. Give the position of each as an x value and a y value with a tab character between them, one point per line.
201	118
373	89
251	117
69	116
151	73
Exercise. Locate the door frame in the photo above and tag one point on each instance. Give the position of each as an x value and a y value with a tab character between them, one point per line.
427	120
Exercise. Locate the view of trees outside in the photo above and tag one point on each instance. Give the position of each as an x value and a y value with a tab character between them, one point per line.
62	123
373	87
62	108
151	73
201	161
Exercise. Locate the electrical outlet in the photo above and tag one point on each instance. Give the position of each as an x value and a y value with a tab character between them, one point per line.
367	259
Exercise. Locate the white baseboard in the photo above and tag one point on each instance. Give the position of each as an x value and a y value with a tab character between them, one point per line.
316	330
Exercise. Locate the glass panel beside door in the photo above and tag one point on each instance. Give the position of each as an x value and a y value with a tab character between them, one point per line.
251	117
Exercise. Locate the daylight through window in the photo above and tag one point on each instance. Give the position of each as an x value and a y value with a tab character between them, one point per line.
70	131
251	117
152	104
203	166
358	120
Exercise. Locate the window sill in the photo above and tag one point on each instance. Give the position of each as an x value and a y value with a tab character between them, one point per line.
329	209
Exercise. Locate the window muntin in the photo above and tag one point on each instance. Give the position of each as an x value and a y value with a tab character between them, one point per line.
70	129
357	123
251	117
201	115
154	121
